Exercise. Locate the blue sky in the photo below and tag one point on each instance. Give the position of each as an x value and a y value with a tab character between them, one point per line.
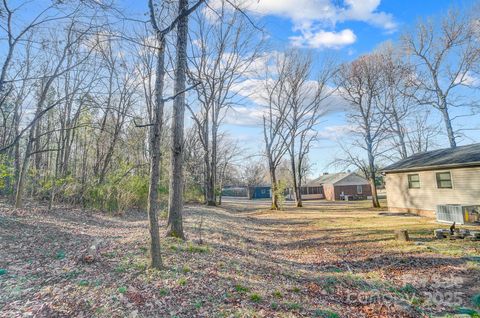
343	28
291	23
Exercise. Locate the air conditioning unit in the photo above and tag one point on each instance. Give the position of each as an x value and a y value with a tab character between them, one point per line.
460	214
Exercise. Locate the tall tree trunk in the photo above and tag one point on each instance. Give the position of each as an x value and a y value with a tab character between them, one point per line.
209	187
54	183
372	177
5	66
175	202
448	124
213	160
155	156
401	136
373	185
38	156
23	171
84	169
273	179
296	189
17	159
28	149
299	183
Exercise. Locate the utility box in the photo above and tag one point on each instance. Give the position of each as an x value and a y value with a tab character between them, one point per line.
460	214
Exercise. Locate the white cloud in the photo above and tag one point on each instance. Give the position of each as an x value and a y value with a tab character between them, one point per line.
253	89
296	10
336	103
366	11
245	116
334	133
324	39
316	20
467	79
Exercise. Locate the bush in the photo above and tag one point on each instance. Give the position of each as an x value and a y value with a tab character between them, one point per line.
193	194
476	300
6	174
134	192
256	298
122	190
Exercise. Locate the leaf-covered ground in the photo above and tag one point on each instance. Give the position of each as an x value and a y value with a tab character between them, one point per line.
325	260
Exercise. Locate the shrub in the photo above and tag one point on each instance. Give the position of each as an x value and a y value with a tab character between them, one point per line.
123	189
325	314
256	298
476	300
277	294
6	174
241	289
293	306
163	292
193	194
182	281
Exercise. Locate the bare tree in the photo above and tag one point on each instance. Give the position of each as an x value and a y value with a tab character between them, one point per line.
395	95
421	135
221	55
73	39
12	116
229	151
155	138
156	125
194	164
306	102
445	53
253	174
45	15
175	201
360	85
275	126
121	85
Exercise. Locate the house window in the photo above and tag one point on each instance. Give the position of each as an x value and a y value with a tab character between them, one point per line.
314	190
359	189
444	180
413	181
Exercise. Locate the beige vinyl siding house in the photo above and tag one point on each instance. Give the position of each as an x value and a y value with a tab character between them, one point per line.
421	182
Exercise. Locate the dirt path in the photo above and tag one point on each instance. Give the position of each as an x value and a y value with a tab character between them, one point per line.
252	263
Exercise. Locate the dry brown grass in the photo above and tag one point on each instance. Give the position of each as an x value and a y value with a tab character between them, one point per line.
309	262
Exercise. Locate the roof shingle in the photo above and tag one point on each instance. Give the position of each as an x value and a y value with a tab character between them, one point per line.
450	157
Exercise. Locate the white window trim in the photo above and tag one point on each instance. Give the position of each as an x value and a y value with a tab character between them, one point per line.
361	189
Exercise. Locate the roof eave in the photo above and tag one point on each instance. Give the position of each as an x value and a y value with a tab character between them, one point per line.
435	167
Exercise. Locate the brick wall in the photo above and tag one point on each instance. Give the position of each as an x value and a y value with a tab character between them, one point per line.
352	190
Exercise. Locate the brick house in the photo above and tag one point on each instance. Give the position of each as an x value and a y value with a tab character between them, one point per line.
337	186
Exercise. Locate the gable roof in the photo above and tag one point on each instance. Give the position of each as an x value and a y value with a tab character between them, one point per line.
335	178
462	156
